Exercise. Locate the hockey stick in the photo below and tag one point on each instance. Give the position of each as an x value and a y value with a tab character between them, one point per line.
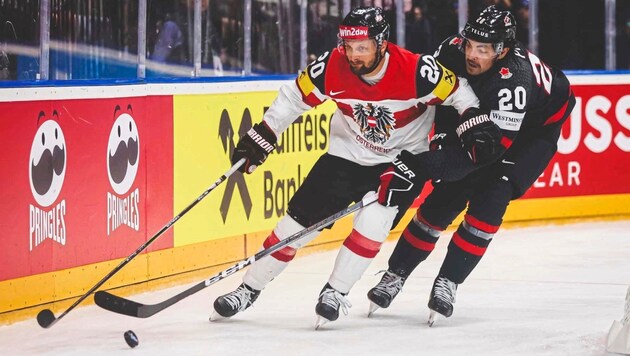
46	318
128	307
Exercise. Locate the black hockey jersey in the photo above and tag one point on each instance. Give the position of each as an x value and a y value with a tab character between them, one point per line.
521	92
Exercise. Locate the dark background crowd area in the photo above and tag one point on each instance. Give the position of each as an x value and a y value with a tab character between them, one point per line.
571	33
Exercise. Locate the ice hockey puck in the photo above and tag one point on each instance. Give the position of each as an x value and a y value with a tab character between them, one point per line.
131	339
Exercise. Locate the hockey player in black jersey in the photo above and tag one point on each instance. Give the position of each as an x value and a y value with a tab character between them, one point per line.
529	101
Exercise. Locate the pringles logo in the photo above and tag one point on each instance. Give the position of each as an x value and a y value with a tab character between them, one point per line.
123	158
46	171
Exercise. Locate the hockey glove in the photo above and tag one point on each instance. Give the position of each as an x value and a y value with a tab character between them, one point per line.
480	137
254	146
440	141
398	180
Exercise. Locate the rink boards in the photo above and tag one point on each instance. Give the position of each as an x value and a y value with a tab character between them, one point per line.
91	173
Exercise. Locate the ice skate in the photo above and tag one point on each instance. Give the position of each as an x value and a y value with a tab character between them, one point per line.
328	305
442	299
385	291
433	317
234	302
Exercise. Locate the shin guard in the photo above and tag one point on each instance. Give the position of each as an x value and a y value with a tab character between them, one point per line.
414	245
261	272
467	247
371	228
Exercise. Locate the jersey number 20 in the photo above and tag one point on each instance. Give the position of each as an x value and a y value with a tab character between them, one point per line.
509	100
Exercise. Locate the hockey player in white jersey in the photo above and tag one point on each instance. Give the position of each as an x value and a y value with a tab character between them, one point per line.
385	97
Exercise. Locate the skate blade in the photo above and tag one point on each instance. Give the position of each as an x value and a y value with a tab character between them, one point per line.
216	317
320	322
373	307
433	317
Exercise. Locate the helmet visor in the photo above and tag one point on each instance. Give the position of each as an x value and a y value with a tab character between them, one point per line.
475	49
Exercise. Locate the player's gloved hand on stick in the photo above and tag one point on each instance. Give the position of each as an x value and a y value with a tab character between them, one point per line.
254	146
480	136
398	180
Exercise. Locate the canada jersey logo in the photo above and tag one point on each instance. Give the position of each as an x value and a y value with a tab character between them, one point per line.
505	73
376	122
456	41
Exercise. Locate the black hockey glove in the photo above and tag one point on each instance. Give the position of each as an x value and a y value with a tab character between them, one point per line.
254	146
437	141
440	141
480	136
398	180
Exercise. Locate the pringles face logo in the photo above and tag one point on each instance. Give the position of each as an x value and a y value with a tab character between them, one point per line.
123	158
47	170
47	163
123	153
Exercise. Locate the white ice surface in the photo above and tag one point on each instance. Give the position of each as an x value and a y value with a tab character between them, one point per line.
550	290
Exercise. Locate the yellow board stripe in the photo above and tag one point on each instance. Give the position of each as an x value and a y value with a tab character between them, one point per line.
23	298
446	84
568	207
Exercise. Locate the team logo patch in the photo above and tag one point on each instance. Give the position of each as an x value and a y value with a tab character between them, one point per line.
505	73
455	41
376	122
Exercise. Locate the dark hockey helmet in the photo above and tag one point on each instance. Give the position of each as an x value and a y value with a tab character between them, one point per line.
492	26
365	22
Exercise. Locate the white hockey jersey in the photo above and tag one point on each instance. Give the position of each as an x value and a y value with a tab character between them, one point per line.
373	123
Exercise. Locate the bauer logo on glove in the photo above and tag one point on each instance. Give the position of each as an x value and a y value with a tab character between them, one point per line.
400	181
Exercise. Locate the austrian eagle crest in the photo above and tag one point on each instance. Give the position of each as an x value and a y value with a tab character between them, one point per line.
375	122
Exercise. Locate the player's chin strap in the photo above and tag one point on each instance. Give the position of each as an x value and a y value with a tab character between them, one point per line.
498	48
379	58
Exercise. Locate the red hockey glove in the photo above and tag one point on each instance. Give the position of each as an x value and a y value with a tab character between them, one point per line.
254	146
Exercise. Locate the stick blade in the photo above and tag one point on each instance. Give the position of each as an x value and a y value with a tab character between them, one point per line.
117	304
46	318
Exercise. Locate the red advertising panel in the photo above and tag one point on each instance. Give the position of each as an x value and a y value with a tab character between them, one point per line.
594	150
76	180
